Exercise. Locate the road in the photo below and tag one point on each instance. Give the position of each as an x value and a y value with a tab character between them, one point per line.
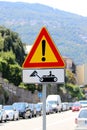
59	121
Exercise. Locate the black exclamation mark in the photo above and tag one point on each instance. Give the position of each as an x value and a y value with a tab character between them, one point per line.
43	50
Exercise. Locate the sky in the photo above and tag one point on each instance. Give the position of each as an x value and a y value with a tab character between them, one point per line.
73	6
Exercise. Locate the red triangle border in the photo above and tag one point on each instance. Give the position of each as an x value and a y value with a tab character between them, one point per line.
60	62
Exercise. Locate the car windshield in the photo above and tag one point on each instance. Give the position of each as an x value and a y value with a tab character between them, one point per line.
83	114
52	102
31	105
37	106
76	104
19	105
83	102
8	107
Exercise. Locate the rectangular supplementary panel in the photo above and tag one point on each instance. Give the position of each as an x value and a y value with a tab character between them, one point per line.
41	76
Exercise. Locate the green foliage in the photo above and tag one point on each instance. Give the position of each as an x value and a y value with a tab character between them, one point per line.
22	85
10	69
6	59
3	67
71	87
10	41
15	72
1	43
11	55
74	91
70	77
39	87
30	87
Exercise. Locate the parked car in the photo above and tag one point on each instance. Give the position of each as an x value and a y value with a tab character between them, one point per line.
38	108
55	101
64	108
3	116
33	109
81	120
1	106
76	106
83	103
70	105
48	108
11	112
23	108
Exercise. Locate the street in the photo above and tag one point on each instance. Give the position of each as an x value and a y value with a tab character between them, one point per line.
59	121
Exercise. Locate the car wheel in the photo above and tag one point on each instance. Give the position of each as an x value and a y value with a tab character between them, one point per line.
17	118
5	120
13	118
30	116
24	116
1	121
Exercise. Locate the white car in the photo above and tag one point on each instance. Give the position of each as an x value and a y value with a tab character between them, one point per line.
3	116
64	106
83	103
55	101
12	113
1	106
81	120
49	109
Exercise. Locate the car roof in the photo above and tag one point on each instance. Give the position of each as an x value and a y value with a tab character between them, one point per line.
82	109
85	108
83	101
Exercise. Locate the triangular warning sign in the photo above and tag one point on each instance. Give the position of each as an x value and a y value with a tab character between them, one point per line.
44	53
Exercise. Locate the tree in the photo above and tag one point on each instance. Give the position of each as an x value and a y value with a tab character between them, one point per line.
70	77
7	43
75	91
1	43
12	55
4	67
15	72
10	40
8	56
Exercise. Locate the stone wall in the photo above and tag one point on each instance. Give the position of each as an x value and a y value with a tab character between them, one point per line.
17	94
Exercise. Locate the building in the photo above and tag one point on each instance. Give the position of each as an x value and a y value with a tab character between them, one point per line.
81	71
28	48
69	64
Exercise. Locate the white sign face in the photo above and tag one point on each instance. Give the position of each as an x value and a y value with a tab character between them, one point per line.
41	76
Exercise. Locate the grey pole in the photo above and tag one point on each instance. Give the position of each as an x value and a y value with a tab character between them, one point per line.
44	106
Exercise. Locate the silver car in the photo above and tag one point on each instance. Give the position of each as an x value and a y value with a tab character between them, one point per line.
3	116
83	103
81	120
12	113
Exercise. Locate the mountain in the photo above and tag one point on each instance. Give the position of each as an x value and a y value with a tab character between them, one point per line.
69	31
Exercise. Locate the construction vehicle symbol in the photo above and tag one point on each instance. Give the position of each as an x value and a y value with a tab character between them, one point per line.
45	78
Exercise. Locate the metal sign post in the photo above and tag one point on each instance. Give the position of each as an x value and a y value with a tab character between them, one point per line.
44	106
